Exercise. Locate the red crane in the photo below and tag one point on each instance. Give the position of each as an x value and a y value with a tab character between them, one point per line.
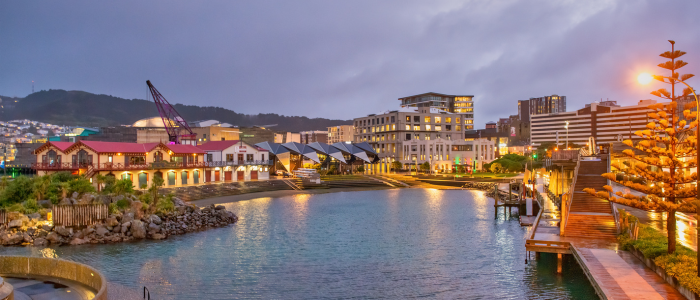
175	125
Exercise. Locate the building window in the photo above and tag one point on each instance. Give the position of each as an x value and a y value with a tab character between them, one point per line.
427	136
438	128
393	126
427	119
416	119
408	118
468	121
229	157
408	136
249	157
448	127
427	127
210	157
392	119
458	128
448	120
437	120
408	127
457	120
416	127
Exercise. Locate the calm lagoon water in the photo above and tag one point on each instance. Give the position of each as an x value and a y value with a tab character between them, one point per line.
394	244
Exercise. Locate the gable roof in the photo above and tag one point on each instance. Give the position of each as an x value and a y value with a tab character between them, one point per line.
116	147
217	145
62	146
182	149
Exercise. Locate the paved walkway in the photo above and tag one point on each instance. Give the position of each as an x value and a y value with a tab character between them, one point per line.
618	274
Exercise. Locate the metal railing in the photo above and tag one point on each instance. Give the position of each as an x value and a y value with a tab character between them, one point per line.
239	163
571	194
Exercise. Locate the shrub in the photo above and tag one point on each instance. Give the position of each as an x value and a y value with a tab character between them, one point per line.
17	191
166	205
62	177
80	185
360	169
113	209
30	206
123	204
496	167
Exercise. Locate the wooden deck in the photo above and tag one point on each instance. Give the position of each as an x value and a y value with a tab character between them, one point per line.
615	274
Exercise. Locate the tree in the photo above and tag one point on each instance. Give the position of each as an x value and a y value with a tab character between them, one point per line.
396	165
155	185
425	166
667	144
496	168
360	169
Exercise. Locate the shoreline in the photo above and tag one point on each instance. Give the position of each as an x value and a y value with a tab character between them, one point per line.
279	194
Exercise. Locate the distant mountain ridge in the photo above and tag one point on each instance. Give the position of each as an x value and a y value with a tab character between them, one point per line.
78	108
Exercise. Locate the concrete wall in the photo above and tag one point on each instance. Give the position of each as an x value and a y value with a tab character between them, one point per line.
59	268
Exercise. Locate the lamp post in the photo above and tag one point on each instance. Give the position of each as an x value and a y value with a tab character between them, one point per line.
645	78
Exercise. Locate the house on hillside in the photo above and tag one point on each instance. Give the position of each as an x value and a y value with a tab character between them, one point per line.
226	158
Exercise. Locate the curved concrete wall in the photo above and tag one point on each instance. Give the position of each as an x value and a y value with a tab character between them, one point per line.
54	267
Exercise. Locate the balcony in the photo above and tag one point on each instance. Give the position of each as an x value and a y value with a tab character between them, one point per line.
239	163
147	166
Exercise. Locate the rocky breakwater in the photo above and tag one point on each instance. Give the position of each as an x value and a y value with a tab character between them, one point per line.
489	187
121	227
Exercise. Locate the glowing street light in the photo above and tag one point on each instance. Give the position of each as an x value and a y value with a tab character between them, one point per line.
644	78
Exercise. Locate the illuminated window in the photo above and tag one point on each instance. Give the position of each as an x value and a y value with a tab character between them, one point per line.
469	127
408	118
372	129
427	127
468	110
448	120
438	128
466	121
427	137
393	126
458	128
382	127
457	120
427	120
408	127
437	120
416	127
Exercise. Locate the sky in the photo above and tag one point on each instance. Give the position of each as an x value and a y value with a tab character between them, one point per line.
345	59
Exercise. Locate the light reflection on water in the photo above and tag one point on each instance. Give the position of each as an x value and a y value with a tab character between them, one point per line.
374	244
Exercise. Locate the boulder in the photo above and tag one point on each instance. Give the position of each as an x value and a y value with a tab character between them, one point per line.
77	241
179	202
79	234
103	199
40	242
128	217
117	198
66	201
34	216
153	227
44	203
155	219
63	231
47	227
158	236
26	238
75	195
220	207
101	230
138	230
136	209
15	223
12	239
53	238
86	199
111	221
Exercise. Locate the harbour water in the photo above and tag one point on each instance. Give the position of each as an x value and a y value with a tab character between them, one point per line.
395	244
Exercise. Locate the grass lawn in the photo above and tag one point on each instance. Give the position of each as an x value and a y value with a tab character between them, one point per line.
488	175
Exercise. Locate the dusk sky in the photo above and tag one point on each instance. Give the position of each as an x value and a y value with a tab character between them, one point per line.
344	59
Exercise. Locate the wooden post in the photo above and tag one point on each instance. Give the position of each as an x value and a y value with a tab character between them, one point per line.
564	212
559	262
537	255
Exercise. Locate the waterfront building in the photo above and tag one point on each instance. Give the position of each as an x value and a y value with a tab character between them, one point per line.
392	134
607	122
176	164
313	136
256	134
225	159
340	134
500	140
345	156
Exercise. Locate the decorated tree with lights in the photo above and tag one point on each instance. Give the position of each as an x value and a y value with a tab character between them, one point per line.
665	156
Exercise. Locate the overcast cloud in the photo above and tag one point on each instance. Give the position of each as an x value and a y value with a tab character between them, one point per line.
344	59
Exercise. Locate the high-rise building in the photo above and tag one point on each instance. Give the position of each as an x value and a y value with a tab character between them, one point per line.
459	104
312	136
542	105
340	134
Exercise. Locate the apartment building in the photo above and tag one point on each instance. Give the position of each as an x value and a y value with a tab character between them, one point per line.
541	105
459	104
313	136
340	134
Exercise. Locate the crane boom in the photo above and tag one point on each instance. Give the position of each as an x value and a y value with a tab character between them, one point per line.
175	125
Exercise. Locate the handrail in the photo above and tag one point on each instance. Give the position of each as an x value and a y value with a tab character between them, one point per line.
571	194
537	223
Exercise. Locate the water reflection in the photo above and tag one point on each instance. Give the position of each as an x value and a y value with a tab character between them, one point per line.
395	244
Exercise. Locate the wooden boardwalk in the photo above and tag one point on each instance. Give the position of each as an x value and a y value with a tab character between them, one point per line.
615	274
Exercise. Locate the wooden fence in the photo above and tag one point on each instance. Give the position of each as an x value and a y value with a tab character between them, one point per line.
79	215
3	216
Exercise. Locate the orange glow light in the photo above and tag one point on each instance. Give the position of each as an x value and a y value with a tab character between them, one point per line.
644	78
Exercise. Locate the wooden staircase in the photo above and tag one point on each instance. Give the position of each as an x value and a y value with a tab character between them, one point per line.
590	216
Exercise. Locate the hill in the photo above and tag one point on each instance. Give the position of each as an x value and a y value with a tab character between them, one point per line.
77	108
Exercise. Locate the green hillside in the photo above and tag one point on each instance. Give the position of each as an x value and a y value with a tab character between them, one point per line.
77	108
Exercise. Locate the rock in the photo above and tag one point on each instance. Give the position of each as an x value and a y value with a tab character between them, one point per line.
111	221
75	195
103	199
77	241
101	230
15	223
181	210
158	236
125	227
11	239
34	216
54	238
66	201
178	202
128	217
153	227
138	230
40	242
79	234
117	198
13	215
26	238
44	203
136	209
155	219
220	207
47	227
86	199
63	231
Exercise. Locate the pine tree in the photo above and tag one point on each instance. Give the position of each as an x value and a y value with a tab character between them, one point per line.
668	147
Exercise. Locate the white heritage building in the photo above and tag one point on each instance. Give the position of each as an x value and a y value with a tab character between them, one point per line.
235	161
